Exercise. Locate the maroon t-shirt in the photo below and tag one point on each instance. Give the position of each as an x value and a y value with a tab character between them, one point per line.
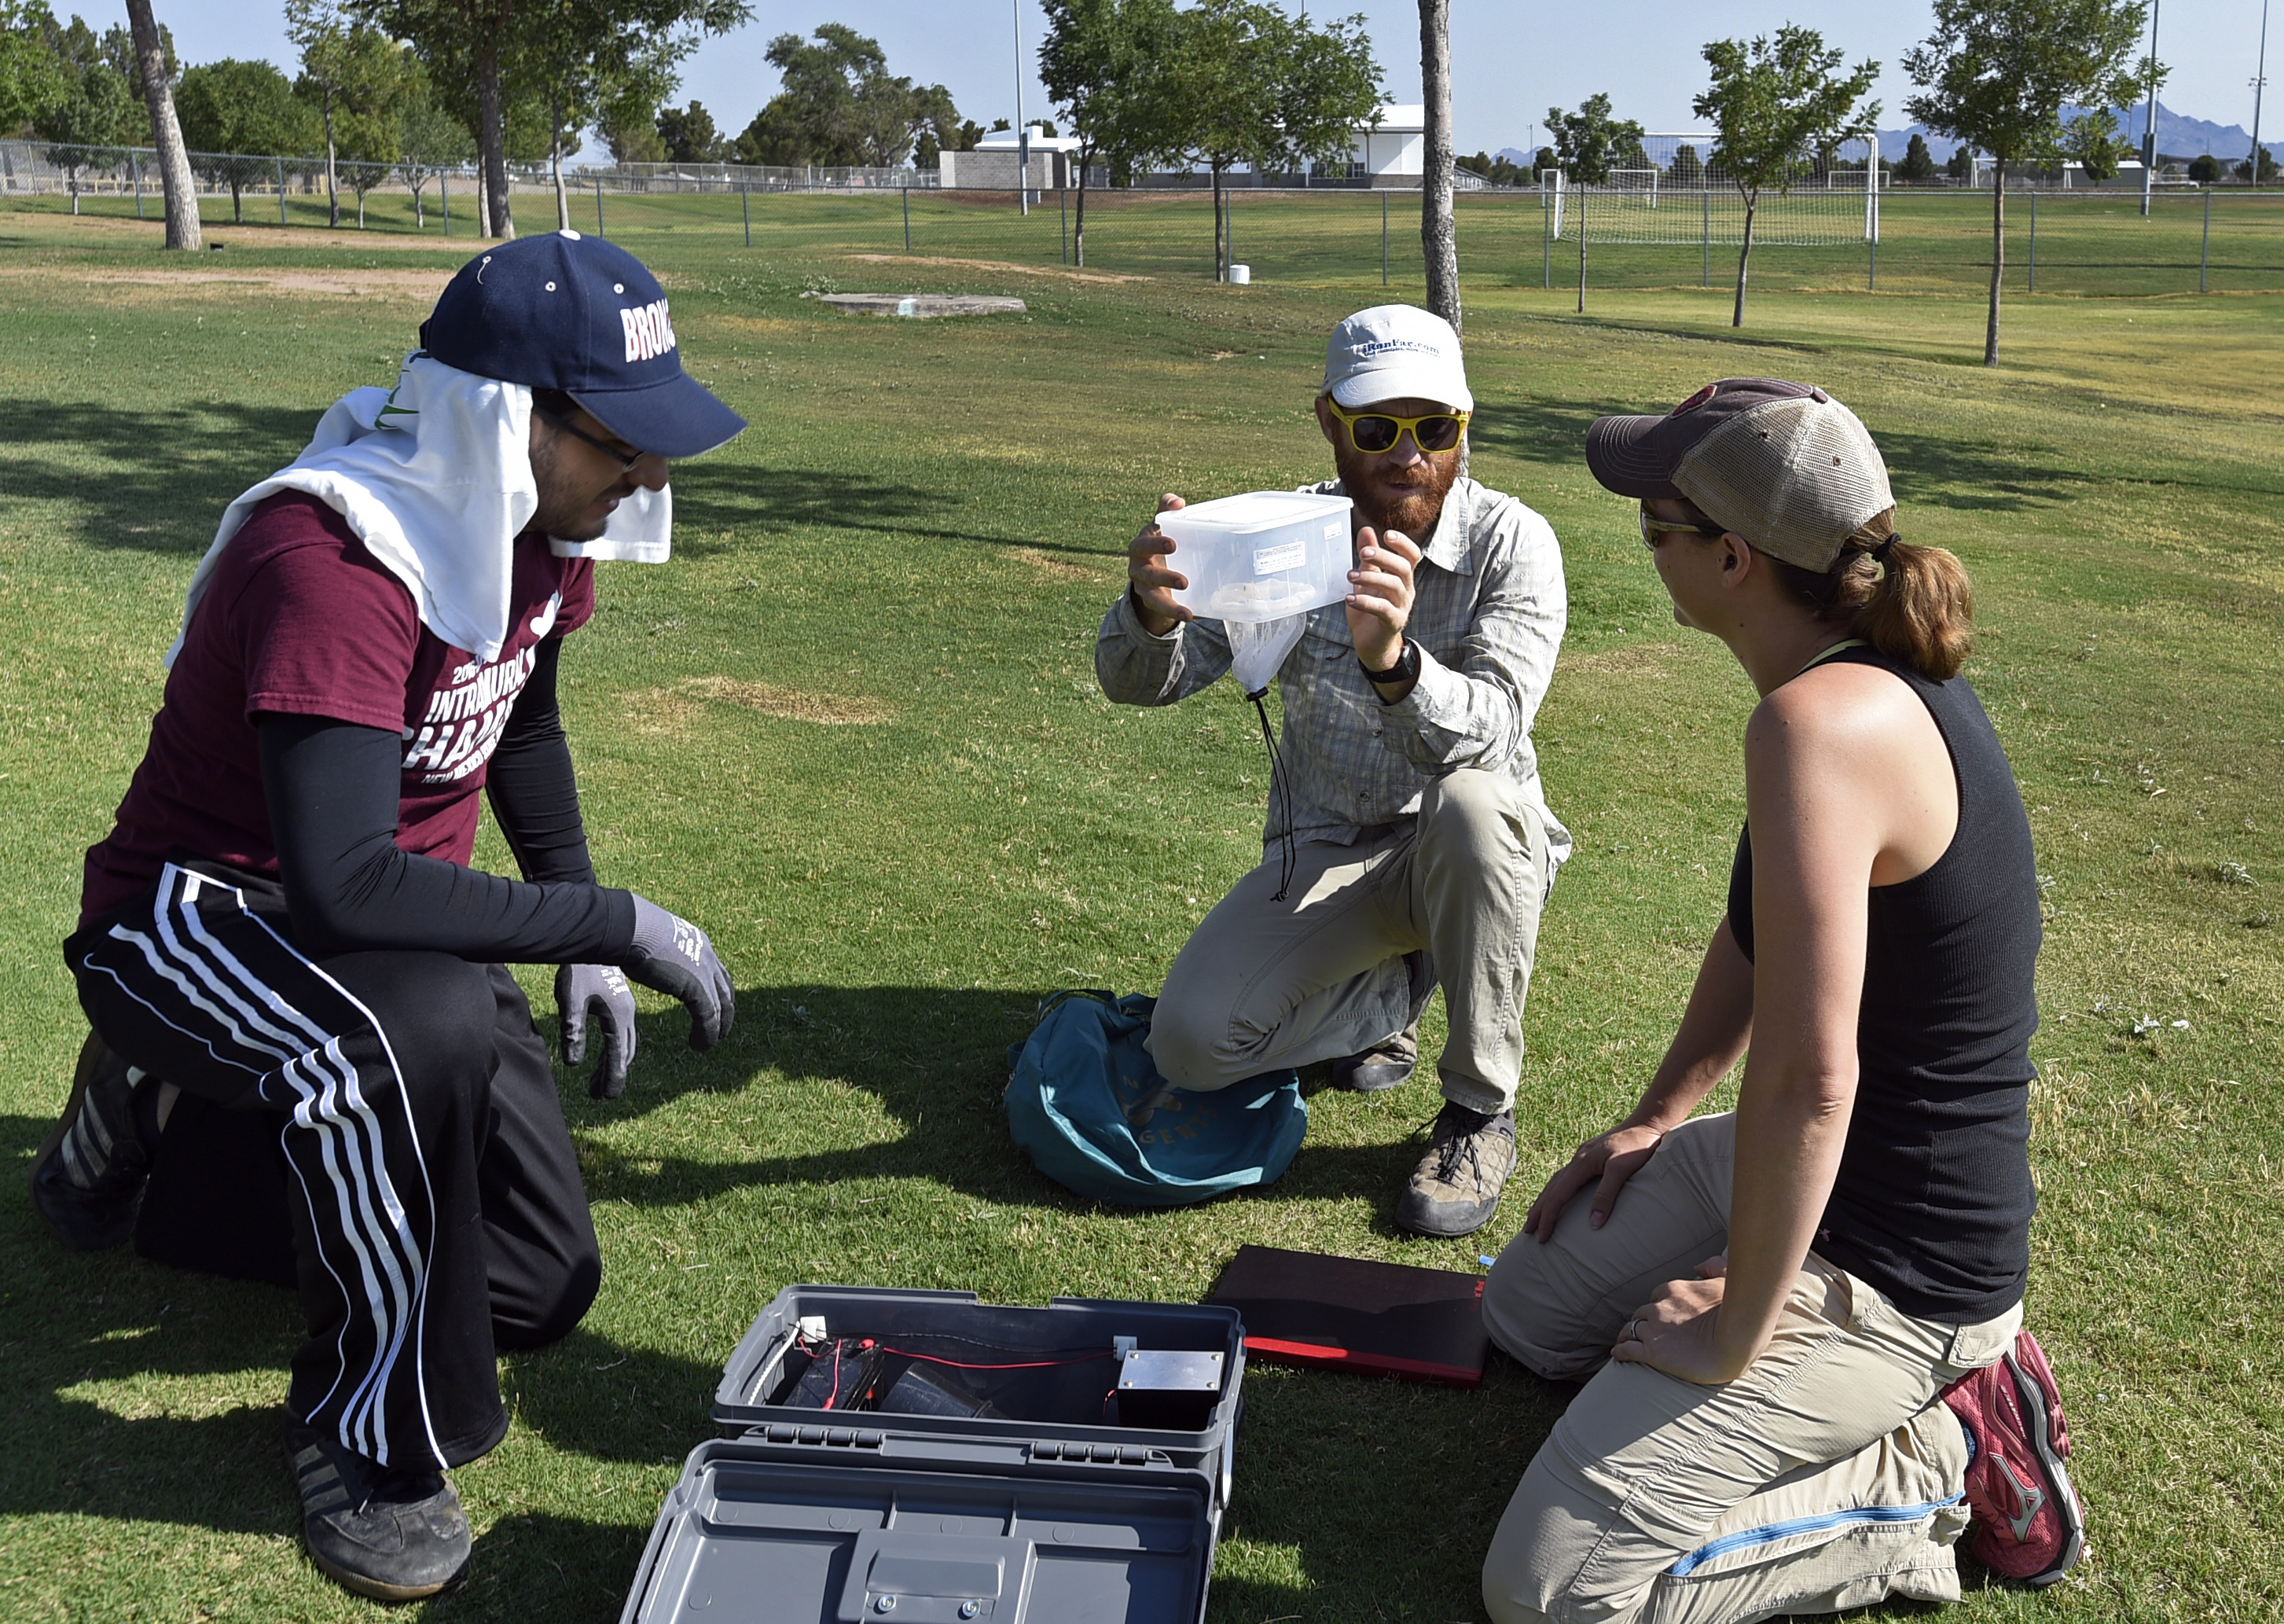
298	618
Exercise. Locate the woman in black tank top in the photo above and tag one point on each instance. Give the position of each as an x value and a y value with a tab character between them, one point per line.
1867	1207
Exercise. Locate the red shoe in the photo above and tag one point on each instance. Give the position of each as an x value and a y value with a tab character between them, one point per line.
2028	1524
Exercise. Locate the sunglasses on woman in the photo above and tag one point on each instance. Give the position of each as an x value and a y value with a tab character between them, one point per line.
1654	530
1378	431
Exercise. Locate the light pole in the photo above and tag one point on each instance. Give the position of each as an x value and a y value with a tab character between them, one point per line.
2149	121
2259	83
1023	131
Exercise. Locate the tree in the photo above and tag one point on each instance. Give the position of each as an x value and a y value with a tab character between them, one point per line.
1583	144
2091	139
1960	164
2204	169
1439	234
31	76
238	116
1688	167
688	134
1777	104
153	54
1996	73
630	131
1919	163
1245	83
96	109
1096	63
2243	171
354	75
429	140
491	60
839	104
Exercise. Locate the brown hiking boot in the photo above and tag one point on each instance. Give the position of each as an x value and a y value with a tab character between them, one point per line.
1456	1188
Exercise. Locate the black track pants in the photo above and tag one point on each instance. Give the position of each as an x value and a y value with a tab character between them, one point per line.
394	1112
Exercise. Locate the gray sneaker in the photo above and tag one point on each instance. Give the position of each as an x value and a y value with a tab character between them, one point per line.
393	1534
1383	1065
88	1178
1456	1188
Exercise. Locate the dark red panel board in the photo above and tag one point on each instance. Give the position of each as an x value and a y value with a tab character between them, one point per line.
1347	1314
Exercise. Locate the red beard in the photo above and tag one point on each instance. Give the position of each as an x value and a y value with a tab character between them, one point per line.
1411	507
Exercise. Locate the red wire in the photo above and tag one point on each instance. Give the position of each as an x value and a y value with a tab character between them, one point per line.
836	1377
1032	1364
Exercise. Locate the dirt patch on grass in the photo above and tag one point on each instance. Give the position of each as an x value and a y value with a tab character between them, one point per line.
997	265
362	284
254	235
674	710
1061	569
758	324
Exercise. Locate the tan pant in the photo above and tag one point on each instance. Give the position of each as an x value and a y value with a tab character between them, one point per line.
1263	984
1827	1475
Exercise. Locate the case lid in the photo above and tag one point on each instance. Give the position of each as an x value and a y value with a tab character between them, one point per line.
919	1532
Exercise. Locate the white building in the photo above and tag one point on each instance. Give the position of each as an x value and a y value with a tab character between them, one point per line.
1393	153
996	157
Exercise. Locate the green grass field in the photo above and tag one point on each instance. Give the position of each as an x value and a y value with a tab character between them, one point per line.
853	729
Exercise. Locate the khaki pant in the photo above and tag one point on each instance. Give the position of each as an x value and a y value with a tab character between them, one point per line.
1827	1475
1261	986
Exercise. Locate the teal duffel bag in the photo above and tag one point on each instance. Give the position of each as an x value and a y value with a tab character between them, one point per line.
1088	1104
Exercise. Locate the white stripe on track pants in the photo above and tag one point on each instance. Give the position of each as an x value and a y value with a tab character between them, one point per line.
432	1182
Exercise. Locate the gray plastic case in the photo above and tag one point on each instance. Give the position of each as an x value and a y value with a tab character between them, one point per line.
799	1514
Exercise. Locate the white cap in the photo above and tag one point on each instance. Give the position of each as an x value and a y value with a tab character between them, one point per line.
1395	352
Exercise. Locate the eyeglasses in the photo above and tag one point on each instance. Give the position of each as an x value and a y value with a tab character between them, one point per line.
1377	431
1654	530
625	459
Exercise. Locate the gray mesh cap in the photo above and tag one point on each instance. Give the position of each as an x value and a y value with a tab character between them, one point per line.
1782	464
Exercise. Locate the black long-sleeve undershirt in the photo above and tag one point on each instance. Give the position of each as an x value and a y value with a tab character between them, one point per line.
332	790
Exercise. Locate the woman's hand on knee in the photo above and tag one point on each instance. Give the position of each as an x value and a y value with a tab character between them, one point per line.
1611	1158
1679	1330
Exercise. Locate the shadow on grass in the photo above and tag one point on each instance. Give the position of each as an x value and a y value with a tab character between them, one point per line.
153	480
935	1060
720	493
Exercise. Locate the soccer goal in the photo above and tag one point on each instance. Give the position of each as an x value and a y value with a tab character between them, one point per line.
1673	189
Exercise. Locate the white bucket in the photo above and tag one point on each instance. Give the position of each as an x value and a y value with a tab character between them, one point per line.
1241	274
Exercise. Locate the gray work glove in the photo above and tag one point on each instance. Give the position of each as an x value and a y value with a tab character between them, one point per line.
600	989
673	956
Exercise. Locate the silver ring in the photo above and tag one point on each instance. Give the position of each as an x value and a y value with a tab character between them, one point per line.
1633	1329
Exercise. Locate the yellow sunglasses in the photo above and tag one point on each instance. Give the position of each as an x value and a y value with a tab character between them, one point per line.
1374	432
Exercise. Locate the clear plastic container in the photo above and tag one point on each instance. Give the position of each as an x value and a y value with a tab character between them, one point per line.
1261	556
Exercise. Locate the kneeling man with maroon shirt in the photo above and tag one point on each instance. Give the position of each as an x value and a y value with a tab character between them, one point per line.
308	1064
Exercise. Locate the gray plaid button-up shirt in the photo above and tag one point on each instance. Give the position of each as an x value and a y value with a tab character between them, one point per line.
1487	613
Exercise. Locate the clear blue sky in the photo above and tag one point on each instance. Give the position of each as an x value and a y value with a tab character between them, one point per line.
1513	62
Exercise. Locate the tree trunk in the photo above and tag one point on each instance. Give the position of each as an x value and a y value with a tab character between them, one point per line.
1745	255
1221	263
1582	248
1437	236
491	139
333	182
237	207
420	213
555	157
1078	232
1997	253
165	131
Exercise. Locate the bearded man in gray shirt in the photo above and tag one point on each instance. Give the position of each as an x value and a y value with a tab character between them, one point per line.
1419	838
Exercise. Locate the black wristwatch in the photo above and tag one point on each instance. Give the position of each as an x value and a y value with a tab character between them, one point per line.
1406	668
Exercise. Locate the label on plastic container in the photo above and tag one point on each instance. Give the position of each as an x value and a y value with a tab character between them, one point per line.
1332	529
1274	560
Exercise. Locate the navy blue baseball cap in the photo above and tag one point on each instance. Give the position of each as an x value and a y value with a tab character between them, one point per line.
579	314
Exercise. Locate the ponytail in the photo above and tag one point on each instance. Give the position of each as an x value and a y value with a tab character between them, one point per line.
1912	603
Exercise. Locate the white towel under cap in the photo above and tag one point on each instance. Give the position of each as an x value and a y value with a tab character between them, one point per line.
435	477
